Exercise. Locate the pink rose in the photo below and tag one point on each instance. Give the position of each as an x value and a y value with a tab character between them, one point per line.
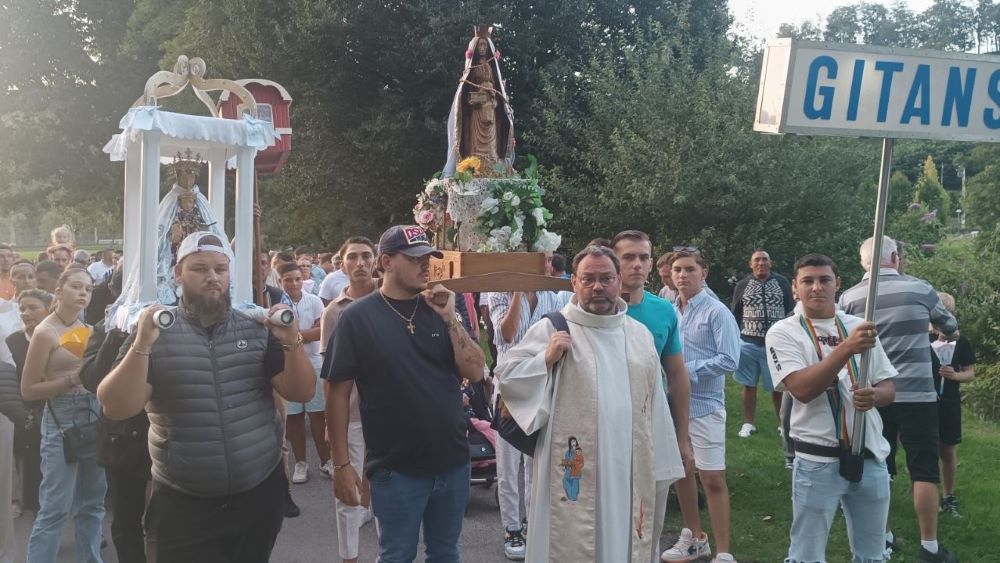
425	217
468	53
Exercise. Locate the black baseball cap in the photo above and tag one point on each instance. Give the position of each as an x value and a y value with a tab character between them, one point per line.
410	240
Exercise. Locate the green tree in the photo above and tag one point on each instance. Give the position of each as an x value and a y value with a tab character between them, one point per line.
842	25
669	148
948	25
877	25
60	101
918	226
370	115
929	192
982	200
900	195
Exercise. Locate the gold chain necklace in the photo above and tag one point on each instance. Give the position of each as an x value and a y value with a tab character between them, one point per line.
409	321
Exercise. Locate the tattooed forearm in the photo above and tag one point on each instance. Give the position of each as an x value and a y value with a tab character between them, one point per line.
469	358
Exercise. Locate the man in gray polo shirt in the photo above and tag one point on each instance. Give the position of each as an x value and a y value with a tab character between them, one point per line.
905	307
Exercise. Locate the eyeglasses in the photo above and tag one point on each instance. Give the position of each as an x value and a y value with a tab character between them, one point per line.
685	249
605	281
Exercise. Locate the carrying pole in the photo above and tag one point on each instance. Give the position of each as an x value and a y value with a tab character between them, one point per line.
857	445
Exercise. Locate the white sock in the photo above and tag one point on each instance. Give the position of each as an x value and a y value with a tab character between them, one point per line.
929	545
890	537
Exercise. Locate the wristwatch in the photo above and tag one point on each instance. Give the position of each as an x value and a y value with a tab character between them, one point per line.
296	346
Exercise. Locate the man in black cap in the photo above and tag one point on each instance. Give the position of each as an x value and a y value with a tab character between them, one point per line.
407	352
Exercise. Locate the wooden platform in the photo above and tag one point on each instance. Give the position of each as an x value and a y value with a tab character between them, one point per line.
505	281
473	272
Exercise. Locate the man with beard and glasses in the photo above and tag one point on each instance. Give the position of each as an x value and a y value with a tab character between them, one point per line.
215	435
406	350
359	260
606	443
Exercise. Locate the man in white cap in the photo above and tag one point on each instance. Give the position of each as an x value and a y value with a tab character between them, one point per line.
215	435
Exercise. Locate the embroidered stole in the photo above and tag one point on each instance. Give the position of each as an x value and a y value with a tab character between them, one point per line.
573	452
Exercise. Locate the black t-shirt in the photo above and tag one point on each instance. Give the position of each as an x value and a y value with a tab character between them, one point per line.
411	407
963	358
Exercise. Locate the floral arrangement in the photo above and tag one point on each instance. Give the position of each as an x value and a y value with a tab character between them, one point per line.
513	217
510	217
468	169
430	212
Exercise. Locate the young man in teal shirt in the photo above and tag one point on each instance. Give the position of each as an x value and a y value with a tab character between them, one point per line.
635	252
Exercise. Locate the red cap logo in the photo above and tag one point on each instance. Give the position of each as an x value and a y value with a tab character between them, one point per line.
415	235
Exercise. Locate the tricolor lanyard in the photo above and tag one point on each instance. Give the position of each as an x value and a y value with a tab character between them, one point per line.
837	403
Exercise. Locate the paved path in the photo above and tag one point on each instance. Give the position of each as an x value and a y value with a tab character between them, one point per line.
312	537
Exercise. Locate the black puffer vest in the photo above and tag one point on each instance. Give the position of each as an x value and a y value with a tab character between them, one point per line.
214	430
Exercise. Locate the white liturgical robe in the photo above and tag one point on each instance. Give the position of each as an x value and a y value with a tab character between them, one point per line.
632	445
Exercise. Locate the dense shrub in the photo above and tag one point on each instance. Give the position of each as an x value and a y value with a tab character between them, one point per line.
982	395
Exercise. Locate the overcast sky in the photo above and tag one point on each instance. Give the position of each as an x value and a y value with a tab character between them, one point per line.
761	18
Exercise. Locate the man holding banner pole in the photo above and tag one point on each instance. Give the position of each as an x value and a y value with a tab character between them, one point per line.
848	90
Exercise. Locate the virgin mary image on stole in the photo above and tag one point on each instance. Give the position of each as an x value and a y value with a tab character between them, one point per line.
572	465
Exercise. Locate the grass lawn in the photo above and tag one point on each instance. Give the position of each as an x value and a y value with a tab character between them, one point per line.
760	491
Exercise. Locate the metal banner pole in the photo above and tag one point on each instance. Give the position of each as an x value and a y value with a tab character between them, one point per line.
857	445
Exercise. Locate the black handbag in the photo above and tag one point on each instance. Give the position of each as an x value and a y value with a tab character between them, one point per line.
505	425
81	442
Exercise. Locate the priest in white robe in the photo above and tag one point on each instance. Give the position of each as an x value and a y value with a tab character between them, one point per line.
606	438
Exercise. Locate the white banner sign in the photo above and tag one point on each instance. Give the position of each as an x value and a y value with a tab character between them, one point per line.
813	88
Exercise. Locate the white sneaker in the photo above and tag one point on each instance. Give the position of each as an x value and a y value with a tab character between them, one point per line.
514	544
301	472
724	558
326	470
687	548
746	430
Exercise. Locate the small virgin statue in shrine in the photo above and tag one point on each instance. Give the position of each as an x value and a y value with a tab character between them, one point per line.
187	218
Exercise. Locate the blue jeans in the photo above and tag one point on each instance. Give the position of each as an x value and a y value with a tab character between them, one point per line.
401	503
817	491
68	488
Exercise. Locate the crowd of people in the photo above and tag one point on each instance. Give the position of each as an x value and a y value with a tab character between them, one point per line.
199	428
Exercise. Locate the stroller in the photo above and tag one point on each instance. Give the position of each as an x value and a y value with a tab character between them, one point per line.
482	438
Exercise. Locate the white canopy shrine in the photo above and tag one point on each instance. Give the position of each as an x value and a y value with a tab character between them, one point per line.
151	137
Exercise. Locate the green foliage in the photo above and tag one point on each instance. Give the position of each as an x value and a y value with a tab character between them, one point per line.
900	195
667	148
982	394
982	201
968	269
917	226
929	192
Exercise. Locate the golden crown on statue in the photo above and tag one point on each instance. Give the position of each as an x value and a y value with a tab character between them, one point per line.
188	161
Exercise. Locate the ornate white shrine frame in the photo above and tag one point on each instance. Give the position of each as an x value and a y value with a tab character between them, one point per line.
151	137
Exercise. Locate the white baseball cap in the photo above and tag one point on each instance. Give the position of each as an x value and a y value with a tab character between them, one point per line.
193	244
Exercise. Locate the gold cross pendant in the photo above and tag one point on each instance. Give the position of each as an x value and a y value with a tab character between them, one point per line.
410	327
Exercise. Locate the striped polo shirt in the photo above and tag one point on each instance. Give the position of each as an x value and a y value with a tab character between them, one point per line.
499	303
906	306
